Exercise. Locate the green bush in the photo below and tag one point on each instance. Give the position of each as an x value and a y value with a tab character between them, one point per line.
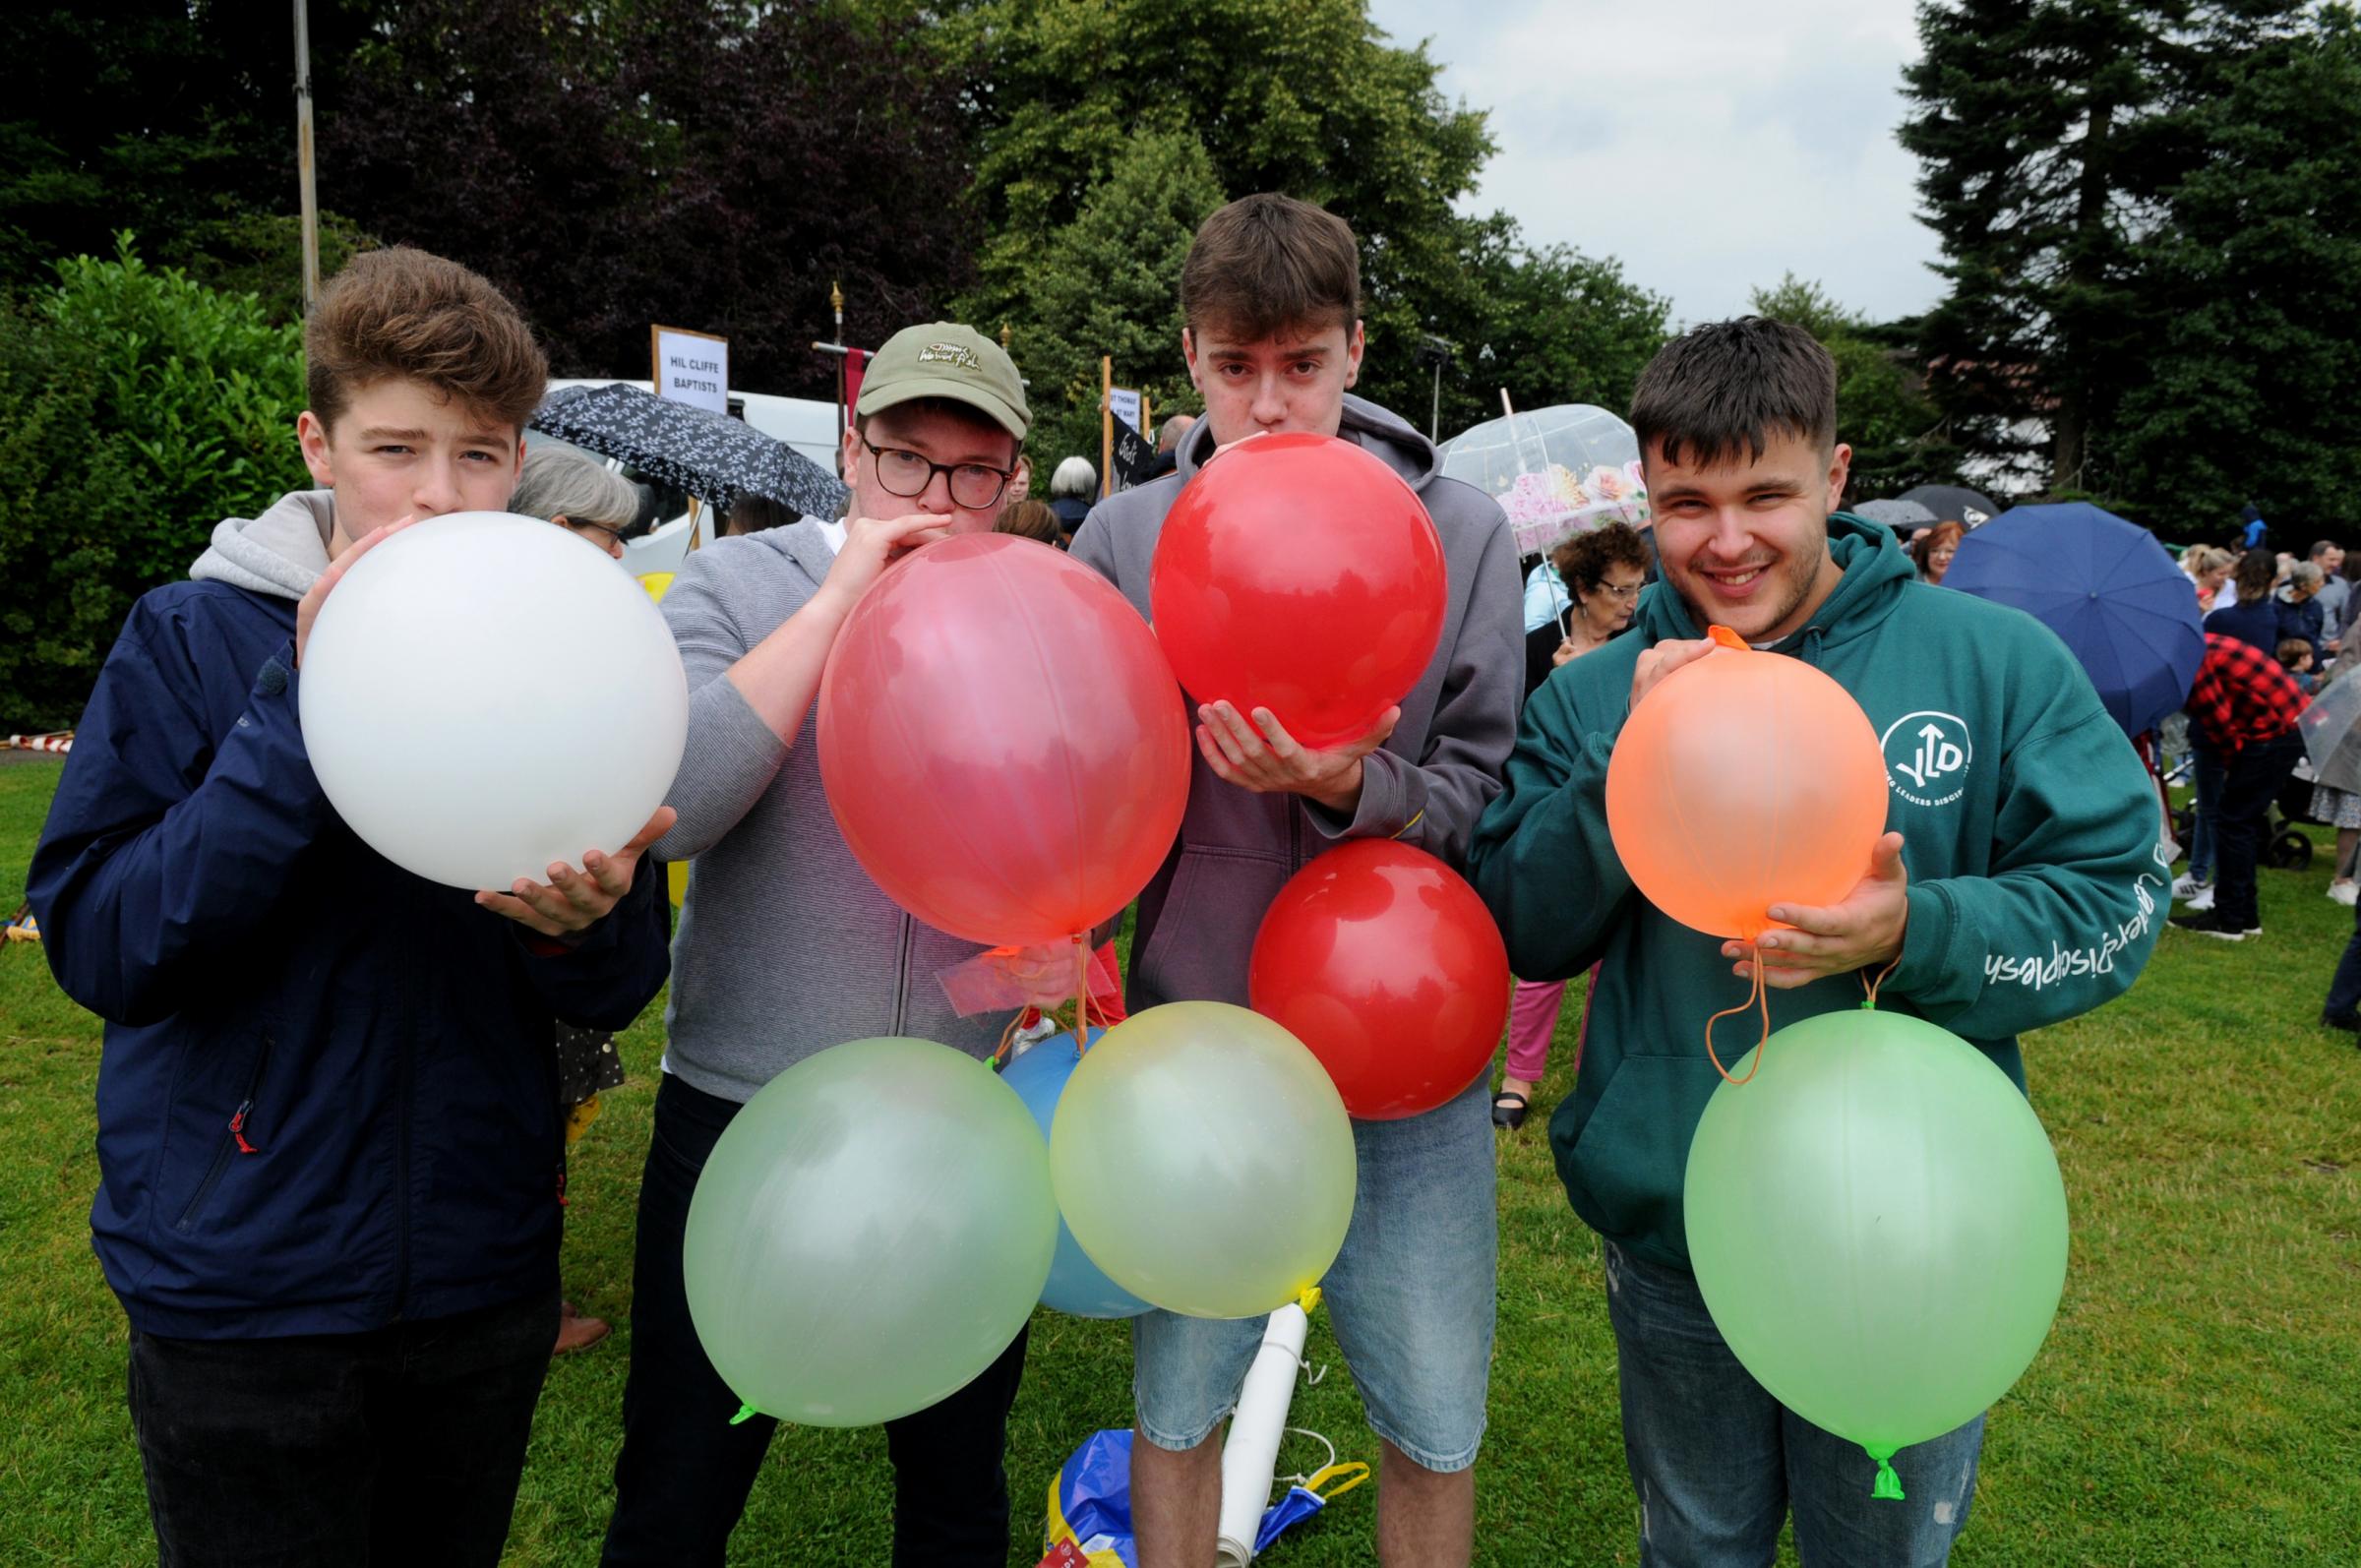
136	409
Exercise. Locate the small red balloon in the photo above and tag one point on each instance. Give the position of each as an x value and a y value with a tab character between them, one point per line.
1299	573
1384	961
1001	740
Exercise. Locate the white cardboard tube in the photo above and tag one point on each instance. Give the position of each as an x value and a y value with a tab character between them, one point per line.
1251	1454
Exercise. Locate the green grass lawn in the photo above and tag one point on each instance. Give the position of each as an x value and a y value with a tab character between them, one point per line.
2196	1402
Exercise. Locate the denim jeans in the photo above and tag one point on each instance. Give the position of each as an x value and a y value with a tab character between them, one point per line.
685	1472
1718	1463
1411	1298
400	1445
2207	776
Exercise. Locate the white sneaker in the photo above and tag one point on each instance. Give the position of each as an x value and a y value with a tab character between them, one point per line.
2344	891
2188	886
2201	900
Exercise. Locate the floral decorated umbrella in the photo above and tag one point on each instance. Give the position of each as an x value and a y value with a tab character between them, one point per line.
1556	471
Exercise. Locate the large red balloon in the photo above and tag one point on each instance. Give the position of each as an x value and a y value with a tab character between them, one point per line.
1744	780
1300	574
1001	740
1385	963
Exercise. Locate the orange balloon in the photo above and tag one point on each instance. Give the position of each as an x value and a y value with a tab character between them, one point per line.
1744	780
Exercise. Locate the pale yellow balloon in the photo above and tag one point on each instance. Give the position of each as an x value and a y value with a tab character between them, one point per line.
1203	1160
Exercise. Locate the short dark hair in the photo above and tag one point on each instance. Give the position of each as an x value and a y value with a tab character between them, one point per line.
752	513
404	315
1720	392
1583	561
2321	547
2292	649
1266	263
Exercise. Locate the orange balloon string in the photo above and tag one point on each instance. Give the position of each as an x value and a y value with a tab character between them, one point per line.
1870	986
1757	997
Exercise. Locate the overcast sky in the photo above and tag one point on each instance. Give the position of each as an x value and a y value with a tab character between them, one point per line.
1711	145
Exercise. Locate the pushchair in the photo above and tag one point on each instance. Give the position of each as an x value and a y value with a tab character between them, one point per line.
2285	844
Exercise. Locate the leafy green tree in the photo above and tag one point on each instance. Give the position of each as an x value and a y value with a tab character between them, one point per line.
2248	390
1882	408
137	408
1109	283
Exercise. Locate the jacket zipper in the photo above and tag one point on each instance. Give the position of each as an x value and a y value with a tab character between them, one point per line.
234	1144
902	978
407	1036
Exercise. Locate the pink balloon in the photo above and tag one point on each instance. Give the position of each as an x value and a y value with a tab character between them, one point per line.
1001	740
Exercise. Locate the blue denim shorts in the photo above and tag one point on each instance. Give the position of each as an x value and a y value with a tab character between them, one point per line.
1410	1298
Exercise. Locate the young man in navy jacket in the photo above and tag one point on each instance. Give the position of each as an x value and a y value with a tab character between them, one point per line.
329	1147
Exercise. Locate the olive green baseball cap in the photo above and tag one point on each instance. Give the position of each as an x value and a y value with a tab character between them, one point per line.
943	359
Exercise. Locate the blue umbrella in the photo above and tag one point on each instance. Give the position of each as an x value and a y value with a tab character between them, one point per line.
2106	589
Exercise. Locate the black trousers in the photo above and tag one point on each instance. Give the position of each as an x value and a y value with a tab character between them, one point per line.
403	1445
684	1470
2250	784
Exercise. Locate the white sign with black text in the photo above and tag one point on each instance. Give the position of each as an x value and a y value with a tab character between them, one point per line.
691	367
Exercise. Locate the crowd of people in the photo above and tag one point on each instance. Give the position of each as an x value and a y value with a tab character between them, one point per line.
335	1100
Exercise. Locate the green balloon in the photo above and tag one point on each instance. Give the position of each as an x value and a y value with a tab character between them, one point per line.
1878	1228
1204	1160
869	1235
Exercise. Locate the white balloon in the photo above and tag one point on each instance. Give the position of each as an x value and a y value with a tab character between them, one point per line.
484	695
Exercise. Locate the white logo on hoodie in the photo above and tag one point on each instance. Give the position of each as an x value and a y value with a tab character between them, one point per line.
1927	756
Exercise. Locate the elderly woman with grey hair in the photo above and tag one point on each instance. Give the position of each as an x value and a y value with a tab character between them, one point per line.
579	493
1071	489
2300	612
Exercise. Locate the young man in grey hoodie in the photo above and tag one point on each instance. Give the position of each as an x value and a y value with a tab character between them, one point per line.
1271	296
786	947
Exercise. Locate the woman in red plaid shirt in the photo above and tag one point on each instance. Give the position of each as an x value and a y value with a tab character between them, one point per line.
2245	705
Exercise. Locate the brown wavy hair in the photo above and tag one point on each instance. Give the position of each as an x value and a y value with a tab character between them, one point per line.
1583	561
404	314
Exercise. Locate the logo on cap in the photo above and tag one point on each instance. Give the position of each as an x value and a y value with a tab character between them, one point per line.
949	355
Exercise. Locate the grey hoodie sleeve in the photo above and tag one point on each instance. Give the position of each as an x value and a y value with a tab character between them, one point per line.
732	755
1434	802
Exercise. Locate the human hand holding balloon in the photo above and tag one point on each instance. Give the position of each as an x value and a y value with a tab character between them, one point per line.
1663	658
574	901
307	609
1864	929
1264	757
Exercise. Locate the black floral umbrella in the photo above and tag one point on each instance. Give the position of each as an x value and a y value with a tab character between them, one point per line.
711	457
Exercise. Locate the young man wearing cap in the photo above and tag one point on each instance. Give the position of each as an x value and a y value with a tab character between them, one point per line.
1271	296
2023	887
786	947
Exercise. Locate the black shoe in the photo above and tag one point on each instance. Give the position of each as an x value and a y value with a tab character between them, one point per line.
1508	1109
2350	1023
2211	923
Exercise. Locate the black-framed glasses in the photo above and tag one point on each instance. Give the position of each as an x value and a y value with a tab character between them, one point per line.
903	472
584	525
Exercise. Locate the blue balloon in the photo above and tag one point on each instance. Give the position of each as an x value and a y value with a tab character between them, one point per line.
1076	1285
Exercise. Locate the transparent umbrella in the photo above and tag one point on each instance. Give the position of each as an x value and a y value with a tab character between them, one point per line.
1556	471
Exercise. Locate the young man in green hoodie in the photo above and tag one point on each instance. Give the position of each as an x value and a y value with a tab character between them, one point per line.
2019	884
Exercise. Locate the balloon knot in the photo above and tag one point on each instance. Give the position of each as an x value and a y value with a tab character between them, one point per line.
1309	1300
743	1411
1888	1484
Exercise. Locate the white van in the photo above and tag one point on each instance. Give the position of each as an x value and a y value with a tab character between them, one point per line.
807	425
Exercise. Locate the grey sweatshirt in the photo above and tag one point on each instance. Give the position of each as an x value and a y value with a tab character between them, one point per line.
785	946
1426	786
279	552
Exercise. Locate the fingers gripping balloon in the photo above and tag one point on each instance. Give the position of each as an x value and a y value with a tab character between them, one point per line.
1742	780
1329	631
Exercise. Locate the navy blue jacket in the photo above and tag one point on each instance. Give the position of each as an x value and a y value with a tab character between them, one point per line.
327	1097
2251	621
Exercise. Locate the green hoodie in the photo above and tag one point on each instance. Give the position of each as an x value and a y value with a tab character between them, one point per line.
2029	833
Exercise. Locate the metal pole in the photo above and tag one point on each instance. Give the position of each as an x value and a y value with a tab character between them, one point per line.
843	420
1434	419
304	158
